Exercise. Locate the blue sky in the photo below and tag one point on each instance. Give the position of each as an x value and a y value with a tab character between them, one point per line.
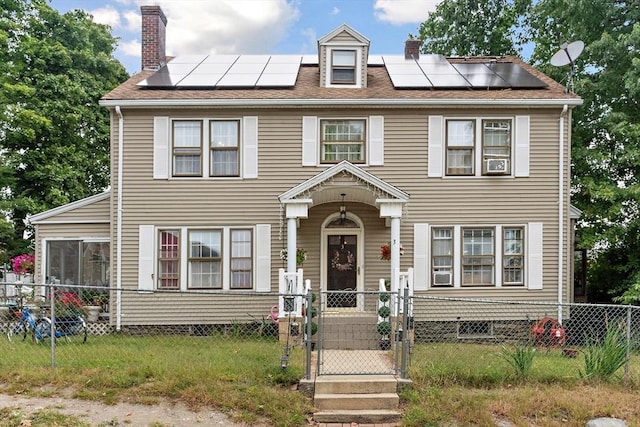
256	26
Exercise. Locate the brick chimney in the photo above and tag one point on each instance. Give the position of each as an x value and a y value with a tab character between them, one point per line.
154	24
412	49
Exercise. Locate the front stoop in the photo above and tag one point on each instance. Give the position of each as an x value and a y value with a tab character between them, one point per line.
356	398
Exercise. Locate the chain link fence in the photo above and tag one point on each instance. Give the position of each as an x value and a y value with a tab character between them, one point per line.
476	333
437	337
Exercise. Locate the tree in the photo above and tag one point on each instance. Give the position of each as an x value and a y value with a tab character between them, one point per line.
473	27
54	137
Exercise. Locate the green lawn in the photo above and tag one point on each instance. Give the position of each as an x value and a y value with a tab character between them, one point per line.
453	384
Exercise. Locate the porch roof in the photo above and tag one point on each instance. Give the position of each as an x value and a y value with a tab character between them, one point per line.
364	187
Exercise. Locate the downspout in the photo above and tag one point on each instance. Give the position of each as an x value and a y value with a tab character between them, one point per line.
119	221
563	115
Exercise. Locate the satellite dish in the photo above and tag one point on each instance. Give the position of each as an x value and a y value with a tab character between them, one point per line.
567	55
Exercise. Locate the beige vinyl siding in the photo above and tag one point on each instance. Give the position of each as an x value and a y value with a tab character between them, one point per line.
234	202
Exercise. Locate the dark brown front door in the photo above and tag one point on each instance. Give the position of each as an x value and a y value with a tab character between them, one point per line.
342	270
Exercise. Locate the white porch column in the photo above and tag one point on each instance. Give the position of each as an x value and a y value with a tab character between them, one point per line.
295	209
393	209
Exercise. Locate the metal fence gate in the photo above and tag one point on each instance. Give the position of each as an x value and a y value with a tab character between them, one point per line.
362	333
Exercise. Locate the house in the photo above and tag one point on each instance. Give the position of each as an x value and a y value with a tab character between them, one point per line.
221	162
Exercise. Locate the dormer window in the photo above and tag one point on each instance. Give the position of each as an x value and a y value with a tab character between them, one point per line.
343	67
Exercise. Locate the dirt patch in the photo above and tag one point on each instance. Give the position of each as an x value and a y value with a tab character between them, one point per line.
121	414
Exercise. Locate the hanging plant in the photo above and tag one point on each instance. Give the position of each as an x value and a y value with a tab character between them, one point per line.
385	251
301	255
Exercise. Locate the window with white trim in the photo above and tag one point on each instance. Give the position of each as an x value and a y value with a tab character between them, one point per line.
241	259
513	256
205	259
187	148
168	259
343	140
442	256
478	144
478	256
343	67
224	143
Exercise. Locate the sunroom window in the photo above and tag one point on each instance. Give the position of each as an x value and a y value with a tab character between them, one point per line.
77	262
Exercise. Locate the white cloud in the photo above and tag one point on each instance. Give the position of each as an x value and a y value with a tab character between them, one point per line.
107	15
311	40
130	48
335	11
225	26
399	12
133	21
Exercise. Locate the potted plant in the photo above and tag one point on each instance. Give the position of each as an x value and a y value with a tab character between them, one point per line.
384	325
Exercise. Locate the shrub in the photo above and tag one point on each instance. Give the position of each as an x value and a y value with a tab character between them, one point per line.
602	360
519	357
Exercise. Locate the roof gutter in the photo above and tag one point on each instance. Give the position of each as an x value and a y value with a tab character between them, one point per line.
119	220
387	102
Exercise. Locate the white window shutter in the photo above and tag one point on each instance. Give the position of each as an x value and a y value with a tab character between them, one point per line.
522	146
309	141
534	255
160	147
263	258
436	146
376	140
146	252
250	147
421	244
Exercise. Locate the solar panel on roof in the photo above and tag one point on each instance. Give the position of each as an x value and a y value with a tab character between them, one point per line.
516	76
480	76
188	59
441	73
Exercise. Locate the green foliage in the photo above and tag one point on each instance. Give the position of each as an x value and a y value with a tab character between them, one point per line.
53	134
384	328
602	360
470	27
519	357
384	296
384	311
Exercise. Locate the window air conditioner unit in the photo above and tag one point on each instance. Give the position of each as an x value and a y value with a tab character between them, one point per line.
497	166
441	278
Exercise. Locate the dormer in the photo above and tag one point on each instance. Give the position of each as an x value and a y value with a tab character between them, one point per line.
343	55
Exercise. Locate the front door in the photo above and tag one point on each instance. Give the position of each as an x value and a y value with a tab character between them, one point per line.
342	270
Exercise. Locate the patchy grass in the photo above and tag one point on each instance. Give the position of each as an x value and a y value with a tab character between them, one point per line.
453	384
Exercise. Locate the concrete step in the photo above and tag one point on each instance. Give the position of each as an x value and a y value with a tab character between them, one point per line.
359	384
356	401
375	416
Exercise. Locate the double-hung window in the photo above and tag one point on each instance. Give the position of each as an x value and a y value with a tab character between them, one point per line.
224	144
460	147
491	155
513	256
343	67
205	259
187	148
478	256
442	256
169	259
241	259
496	147
343	140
